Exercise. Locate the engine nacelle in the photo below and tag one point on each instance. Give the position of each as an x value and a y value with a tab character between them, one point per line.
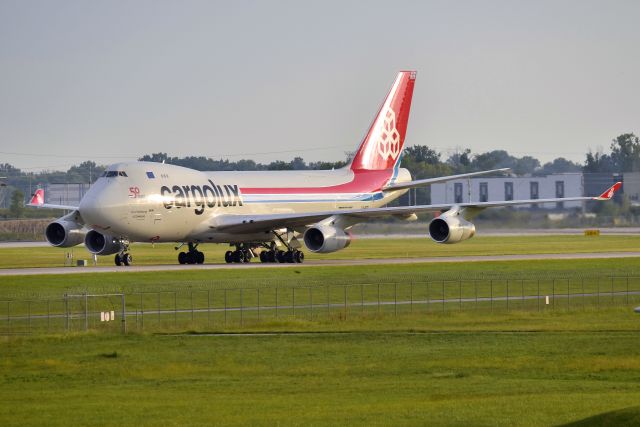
64	233
325	238
101	244
451	229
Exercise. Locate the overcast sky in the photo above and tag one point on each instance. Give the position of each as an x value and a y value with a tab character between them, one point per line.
114	80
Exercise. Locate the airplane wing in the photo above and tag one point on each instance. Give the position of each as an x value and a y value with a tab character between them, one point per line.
268	222
37	201
429	181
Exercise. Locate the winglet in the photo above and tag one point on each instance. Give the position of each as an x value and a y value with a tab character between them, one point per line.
38	198
608	194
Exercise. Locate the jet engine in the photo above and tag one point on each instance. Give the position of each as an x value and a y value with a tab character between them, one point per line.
64	233
451	227
325	238
101	244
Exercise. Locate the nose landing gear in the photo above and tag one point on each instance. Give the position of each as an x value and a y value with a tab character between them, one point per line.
193	256
123	257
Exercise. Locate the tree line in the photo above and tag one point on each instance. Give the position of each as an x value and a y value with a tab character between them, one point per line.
421	160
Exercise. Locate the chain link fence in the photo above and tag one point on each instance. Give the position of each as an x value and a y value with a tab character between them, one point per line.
205	309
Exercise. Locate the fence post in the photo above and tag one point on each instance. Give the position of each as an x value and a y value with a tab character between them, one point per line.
86	312
395	300
344	288
66	312
124	315
191	298
612	290
627	297
475	282
411	297
328	302
141	312
491	294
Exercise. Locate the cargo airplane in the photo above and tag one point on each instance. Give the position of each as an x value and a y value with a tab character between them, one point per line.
265	214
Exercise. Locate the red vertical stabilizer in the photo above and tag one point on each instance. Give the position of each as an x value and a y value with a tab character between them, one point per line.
381	147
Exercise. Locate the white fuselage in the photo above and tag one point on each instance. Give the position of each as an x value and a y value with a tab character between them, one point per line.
155	202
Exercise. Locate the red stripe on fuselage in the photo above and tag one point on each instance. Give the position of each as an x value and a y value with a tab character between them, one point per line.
364	181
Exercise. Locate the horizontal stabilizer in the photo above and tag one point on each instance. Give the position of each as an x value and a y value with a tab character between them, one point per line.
429	181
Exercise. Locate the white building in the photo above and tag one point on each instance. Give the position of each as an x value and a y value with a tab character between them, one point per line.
512	188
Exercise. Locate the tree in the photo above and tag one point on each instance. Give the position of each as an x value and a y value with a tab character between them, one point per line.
16	209
559	165
598	162
422	153
625	153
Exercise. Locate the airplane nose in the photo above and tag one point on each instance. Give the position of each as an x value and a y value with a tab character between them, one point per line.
97	207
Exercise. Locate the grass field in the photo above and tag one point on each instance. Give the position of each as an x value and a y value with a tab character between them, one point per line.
416	366
146	254
453	369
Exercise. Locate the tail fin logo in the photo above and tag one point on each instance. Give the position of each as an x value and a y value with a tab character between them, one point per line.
389	142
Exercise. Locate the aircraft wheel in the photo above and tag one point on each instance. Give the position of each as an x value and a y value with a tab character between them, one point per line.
271	256
127	259
299	257
228	257
237	256
246	256
182	258
288	257
199	257
118	260
280	257
264	257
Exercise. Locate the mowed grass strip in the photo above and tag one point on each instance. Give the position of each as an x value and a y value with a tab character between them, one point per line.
489	371
147	254
44	286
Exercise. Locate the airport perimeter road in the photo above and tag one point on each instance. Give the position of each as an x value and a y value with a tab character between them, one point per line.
315	263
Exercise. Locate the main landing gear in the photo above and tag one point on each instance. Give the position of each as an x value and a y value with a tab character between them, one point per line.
242	254
192	256
276	255
123	257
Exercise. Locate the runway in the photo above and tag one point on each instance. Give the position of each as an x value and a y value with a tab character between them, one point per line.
315	263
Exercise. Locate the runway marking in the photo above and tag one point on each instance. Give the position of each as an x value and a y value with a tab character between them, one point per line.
315	263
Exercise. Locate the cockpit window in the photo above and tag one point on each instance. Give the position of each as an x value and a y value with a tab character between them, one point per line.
111	174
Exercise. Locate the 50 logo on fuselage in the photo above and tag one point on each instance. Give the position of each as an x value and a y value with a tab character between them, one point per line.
209	195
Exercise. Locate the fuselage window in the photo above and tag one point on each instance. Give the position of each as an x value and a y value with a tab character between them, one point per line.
112	174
